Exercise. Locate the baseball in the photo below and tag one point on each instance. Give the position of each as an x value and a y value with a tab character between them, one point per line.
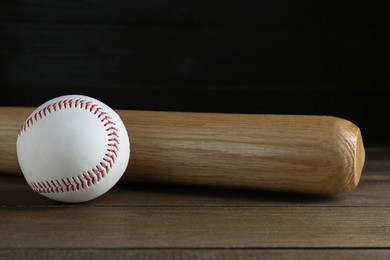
73	148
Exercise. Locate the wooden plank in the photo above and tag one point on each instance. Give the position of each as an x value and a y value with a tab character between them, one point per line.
369	194
210	254
377	165
194	227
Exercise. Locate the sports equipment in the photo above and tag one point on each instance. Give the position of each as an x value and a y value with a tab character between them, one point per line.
294	153
73	148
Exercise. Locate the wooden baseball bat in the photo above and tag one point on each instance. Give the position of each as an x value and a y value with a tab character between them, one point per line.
293	153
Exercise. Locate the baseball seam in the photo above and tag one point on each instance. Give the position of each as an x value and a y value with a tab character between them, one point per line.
95	174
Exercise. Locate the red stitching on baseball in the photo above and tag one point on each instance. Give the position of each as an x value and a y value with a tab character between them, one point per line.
112	151
92	107
48	184
111	156
106	118
95	174
111	129
81	181
91	176
97	110
114	145
113	134
115	140
87	105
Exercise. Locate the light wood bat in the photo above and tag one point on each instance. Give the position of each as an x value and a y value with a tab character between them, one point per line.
292	153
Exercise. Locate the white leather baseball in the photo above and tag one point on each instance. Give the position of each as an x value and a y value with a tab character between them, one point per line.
73	148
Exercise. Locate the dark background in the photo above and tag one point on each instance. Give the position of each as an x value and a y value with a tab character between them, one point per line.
280	57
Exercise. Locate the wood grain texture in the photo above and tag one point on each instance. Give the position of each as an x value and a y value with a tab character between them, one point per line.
371	192
135	221
308	154
194	227
216	56
212	254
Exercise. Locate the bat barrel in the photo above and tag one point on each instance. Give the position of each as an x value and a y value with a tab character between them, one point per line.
311	154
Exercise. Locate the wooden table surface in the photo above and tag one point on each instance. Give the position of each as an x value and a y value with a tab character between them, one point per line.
159	221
